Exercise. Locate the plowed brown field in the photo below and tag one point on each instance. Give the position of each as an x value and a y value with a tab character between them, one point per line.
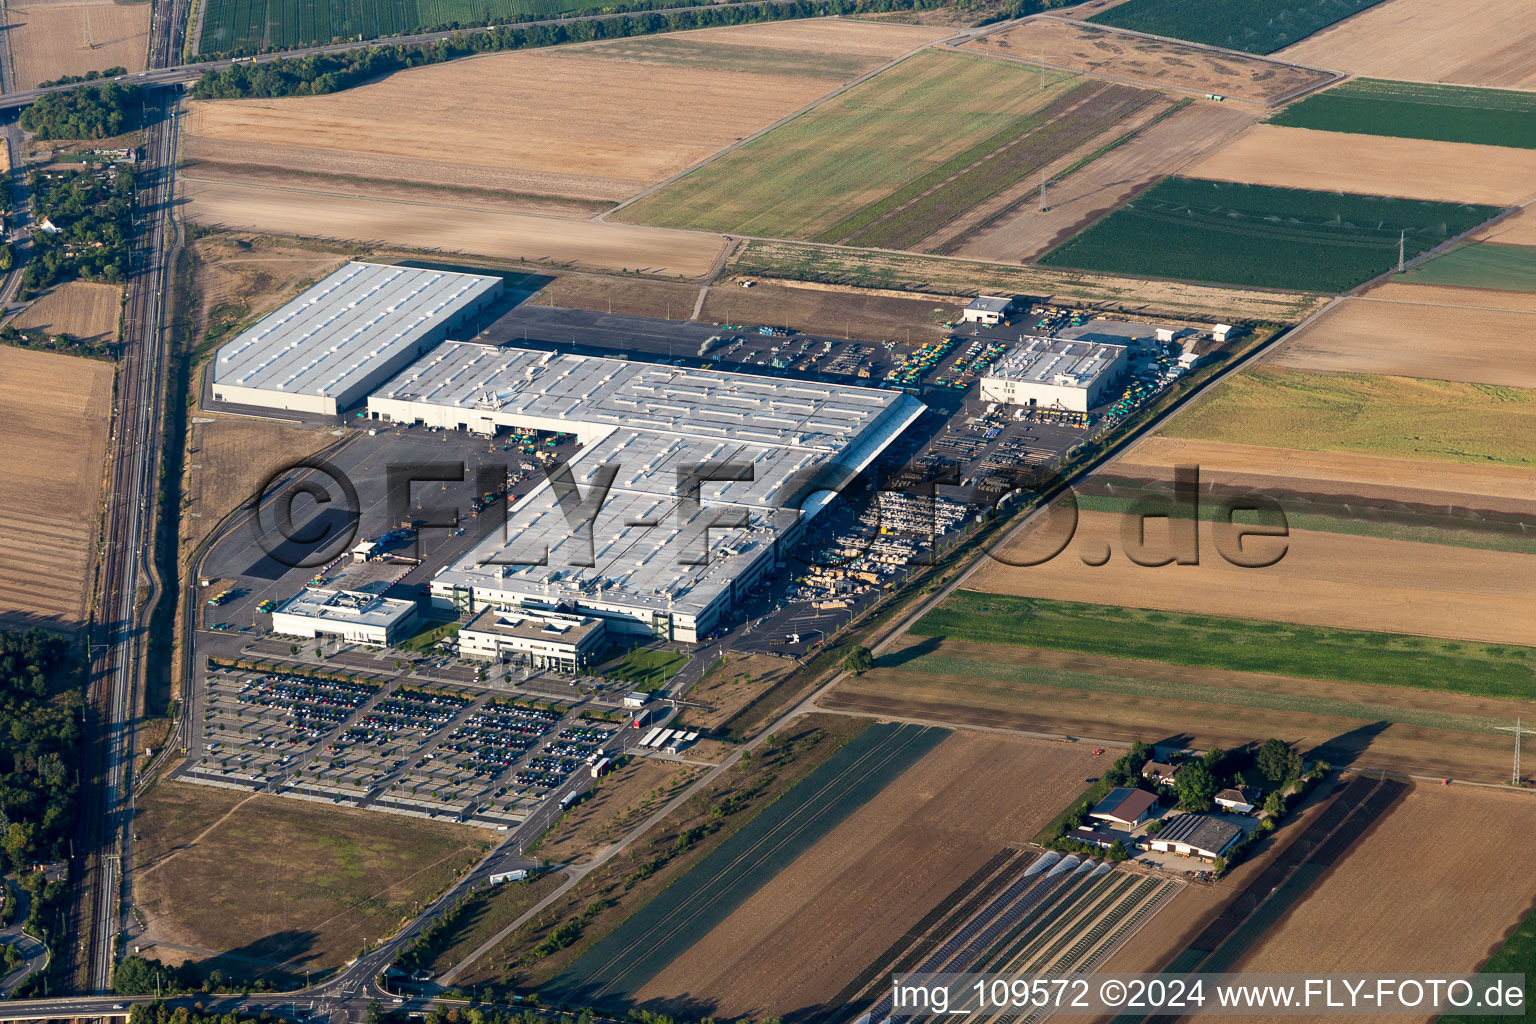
1324	579
48	40
799	939
1433	887
1431	41
1108	181
1412	339
57	409
440	227
566	122
1104	51
1374	165
78	308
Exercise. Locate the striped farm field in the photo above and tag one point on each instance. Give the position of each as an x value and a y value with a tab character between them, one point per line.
1413	110
811	174
1254	26
259	24
1483	265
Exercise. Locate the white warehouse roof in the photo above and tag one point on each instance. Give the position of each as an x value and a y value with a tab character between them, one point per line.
328	340
1073	364
346	606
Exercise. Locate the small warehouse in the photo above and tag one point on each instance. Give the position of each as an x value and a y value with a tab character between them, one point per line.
352	615
1195	835
1125	807
988	309
1051	373
563	643
324	351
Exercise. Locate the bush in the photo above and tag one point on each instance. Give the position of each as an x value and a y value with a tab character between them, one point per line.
92	113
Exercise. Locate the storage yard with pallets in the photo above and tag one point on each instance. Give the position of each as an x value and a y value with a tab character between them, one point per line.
1100	50
1454	172
1204	230
803	938
808	176
642	118
1430	41
57	410
314	884
1408	338
443	228
1468	891
52	39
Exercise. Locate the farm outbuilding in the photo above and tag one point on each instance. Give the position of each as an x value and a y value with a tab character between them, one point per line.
328	348
1124	806
1195	835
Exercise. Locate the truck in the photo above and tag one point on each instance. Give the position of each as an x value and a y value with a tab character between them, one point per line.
519	875
601	767
219	598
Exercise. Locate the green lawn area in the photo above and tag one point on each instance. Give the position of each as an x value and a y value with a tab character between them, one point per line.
1254	26
1411	110
816	171
1228	233
1243	645
430	633
1403	417
646	668
1509	268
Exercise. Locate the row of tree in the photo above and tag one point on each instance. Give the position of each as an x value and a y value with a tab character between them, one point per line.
326	73
40	704
97	112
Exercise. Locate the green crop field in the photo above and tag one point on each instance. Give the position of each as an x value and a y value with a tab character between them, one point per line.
1403	417
1508	268
1289	238
258	24
1516	956
1254	26
811	174
634	952
1243	645
1410	110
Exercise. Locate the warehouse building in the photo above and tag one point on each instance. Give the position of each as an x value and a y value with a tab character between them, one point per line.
562	643
655	561
328	348
1125	807
988	309
1195	835
352	615
1052	373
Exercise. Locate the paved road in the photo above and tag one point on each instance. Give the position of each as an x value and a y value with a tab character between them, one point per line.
34	955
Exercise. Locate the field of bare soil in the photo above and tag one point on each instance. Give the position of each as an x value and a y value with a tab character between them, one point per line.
1411	339
241	276
445	228
587	122
57	409
798	940
1098	50
1072	694
1373	165
664	299
80	309
1430	41
863	316
1372	476
1159	150
1453	295
1467	891
48	40
1324	579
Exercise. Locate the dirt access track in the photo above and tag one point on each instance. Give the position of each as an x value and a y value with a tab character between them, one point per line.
1324	579
1432	887
1373	165
1417	339
802	937
48	40
444	228
596	121
56	412
1431	41
1140	60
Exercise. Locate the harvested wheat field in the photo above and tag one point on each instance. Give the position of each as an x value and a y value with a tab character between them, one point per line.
1453	295
80	309
1411	339
569	122
1076	46
1324	579
1373	165
48	40
807	933
1271	470
1518	228
445	228
1468	886
1431	41
1075	201
57	409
